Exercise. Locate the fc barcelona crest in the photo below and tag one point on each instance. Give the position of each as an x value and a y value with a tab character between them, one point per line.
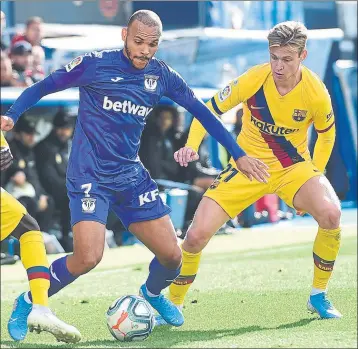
299	115
150	82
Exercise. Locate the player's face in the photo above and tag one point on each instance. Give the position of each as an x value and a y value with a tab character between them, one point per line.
140	43
285	62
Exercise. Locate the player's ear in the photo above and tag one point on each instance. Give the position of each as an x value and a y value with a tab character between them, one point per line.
124	33
303	55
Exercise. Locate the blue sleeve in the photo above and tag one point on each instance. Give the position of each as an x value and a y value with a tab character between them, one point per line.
181	93
79	72
177	89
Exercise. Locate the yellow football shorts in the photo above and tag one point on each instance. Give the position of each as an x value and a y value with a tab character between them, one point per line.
234	192
11	213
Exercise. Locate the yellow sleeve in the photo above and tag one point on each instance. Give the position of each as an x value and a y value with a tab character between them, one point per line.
235	92
220	103
324	124
3	142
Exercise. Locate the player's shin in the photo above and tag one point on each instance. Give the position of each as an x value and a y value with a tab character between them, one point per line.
180	287
60	276
159	277
33	257
325	251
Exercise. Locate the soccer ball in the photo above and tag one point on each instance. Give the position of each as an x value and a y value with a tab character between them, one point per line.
130	318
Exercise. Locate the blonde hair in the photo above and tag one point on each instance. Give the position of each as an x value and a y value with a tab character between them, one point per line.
290	33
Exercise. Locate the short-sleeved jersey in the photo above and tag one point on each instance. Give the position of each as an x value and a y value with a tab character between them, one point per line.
115	100
274	127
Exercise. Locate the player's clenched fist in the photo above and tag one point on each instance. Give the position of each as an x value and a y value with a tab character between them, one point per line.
185	155
252	168
6	123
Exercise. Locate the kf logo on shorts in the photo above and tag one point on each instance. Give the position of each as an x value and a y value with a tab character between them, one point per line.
147	197
88	205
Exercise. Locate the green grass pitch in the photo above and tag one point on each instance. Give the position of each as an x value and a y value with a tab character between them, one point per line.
245	295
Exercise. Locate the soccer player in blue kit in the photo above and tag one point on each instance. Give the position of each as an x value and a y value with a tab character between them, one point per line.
118	89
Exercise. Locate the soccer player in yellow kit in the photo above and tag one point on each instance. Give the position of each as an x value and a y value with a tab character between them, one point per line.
17	222
281	99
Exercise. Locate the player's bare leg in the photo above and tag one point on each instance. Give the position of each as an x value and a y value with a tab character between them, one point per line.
208	219
88	247
318	198
200	232
159	236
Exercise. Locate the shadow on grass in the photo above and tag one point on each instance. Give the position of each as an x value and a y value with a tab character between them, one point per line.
165	337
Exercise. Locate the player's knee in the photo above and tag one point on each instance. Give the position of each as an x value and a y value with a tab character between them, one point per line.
26	224
171	260
330	218
196	239
334	216
88	263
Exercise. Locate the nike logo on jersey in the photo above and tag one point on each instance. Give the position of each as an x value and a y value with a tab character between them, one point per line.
54	275
117	79
253	107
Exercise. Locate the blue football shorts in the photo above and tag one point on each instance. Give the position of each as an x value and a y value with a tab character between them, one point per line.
132	195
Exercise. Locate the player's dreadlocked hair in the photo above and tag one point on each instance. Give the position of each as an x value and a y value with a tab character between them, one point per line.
289	33
149	18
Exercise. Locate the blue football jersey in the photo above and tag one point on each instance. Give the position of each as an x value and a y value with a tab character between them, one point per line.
115	100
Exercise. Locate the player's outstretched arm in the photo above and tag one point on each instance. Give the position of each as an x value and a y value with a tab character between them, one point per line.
79	72
181	93
29	97
250	167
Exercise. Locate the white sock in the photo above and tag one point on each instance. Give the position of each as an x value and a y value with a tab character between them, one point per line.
40	307
150	294
315	291
27	298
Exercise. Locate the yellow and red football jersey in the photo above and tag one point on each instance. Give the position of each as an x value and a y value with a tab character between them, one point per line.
274	127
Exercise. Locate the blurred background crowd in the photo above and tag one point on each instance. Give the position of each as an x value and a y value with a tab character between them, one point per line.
208	43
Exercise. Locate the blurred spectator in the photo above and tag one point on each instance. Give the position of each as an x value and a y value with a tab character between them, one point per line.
238	121
33	32
224	154
7	76
38	63
200	173
22	58
161	138
157	148
3	26
22	178
51	160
